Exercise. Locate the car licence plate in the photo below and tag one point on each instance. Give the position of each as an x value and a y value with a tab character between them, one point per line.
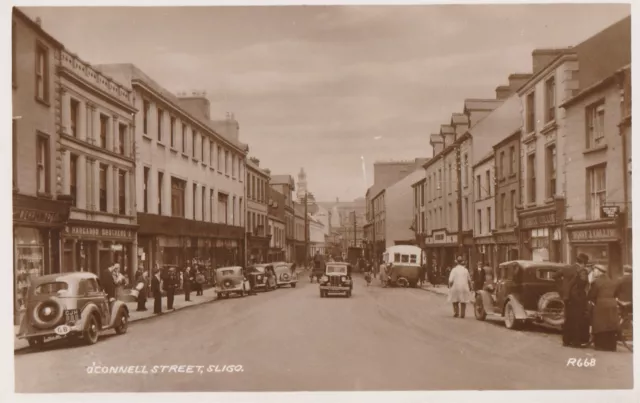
62	330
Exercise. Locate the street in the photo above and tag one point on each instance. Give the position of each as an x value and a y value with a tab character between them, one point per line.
293	340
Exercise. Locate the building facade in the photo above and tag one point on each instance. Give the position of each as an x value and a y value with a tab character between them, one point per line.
508	197
190	190
40	210
484	211
316	237
257	222
398	211
285	185
277	225
299	234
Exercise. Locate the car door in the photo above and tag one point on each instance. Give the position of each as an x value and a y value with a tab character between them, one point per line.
502	285
96	295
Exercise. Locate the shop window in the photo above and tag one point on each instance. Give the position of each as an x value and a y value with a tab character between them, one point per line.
595	125
172	130
531	177
73	179
122	187
42	72
29	261
550	99
551	164
596	190
145	189
104	122
160	119
43	164
103	187
531	112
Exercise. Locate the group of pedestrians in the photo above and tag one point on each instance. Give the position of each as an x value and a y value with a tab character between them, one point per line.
591	304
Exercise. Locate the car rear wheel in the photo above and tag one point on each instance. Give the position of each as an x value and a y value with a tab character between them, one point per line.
123	322
36	342
478	309
510	320
91	330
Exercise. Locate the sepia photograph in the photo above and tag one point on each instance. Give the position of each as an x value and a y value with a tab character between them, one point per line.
320	198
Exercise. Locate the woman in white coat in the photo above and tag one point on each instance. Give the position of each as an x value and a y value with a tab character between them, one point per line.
459	288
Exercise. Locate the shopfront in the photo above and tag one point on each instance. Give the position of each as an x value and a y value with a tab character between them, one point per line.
600	240
485	251
92	247
36	242
506	247
258	247
177	242
541	233
441	248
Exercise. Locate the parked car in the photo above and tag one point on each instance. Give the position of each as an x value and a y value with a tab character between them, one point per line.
231	280
259	276
284	274
523	291
404	264
336	279
72	306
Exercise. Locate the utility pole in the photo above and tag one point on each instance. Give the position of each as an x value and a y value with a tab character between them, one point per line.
306	228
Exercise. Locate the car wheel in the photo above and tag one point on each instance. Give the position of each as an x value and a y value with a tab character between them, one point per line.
293	285
91	330
123	322
36	342
510	320
478	309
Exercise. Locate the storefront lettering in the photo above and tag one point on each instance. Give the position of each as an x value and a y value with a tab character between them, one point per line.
594	234
34	216
506	239
439	237
539	221
100	232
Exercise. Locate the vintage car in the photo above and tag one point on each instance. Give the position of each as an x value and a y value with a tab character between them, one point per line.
336	279
231	280
284	274
523	291
72	306
263	277
404	264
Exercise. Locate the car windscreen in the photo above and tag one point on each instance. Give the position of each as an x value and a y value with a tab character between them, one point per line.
53	288
337	269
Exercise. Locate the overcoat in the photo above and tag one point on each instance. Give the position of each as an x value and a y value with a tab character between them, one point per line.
460	281
604	317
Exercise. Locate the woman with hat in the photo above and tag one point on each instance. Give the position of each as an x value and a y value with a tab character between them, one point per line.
459	288
604	317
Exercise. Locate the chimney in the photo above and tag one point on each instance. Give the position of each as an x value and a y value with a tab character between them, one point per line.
437	144
39	21
542	57
503	92
517	80
196	103
255	161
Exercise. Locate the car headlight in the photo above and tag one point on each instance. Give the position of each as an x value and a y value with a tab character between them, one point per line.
324	279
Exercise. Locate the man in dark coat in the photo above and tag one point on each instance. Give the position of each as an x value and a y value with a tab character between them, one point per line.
624	291
142	296
108	283
565	277
170	285
479	277
604	316
187	280
156	291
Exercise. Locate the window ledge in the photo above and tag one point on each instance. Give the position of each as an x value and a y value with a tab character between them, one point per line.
146	137
504	178
513	175
529	137
549	200
530	204
42	101
549	126
204	164
161	144
595	149
212	168
185	156
173	150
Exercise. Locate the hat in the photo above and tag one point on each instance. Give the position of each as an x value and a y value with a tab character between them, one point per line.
459	259
582	258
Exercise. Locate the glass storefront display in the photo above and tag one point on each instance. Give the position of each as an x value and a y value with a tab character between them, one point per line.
29	260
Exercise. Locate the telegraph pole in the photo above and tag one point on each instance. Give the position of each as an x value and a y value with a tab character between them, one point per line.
306	228
355	237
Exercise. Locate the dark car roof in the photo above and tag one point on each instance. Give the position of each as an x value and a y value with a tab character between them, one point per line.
63	277
526	264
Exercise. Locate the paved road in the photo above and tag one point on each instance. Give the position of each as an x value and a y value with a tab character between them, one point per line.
292	340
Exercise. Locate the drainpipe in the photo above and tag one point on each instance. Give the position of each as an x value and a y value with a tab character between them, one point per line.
459	186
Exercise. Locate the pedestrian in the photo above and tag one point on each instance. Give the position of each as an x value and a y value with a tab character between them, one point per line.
604	318
156	283
187	281
107	282
459	288
624	290
479	277
575	330
565	276
200	280
423	274
142	285
383	275
170	284
252	285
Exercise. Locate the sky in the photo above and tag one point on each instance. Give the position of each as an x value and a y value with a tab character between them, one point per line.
328	87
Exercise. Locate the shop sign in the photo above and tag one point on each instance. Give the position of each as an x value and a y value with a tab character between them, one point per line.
484	241
36	216
506	238
595	234
609	211
100	232
539	220
116	247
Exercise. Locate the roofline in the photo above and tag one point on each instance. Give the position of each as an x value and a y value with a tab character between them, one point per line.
604	83
419	182
253	167
486	158
568	56
135	81
34	25
505	140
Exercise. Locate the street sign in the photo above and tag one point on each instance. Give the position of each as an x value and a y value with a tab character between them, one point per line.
609	211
